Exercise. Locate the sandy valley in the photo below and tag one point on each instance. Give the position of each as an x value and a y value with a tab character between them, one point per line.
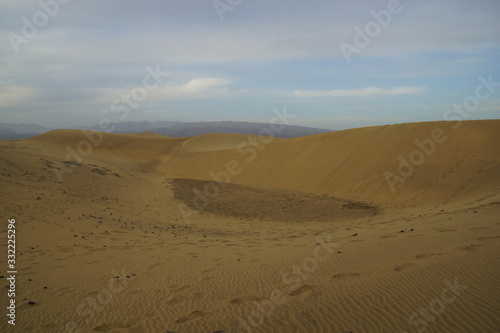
379	229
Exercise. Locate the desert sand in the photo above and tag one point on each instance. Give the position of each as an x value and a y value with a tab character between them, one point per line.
137	236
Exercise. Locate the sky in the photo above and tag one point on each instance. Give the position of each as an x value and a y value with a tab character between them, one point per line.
332	64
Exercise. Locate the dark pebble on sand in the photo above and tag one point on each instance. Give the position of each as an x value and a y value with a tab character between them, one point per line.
31	303
402	231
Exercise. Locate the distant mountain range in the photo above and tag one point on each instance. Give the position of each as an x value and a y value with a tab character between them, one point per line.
168	128
20	131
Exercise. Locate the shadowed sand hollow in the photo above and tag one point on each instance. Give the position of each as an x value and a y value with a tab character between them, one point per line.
266	204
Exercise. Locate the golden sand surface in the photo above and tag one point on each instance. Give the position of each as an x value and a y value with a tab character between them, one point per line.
238	233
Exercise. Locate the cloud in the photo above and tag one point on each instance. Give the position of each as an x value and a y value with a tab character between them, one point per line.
94	51
490	107
194	89
363	92
197	88
12	94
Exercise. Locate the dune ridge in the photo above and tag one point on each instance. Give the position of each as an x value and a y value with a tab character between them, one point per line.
108	242
351	164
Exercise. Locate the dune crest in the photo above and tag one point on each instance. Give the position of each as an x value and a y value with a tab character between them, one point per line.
228	233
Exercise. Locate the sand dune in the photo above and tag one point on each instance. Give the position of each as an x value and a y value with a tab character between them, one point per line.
308	237
352	163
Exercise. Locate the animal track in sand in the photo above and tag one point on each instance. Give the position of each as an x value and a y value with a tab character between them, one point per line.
156	265
427	255
403	267
346	275
480	228
471	247
388	236
174	301
207	278
177	288
244	300
192	316
58	267
108	327
487	237
305	288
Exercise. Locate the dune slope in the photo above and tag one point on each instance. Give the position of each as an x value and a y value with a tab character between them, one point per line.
308	237
463	165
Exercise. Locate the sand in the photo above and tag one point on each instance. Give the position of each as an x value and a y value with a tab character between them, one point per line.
307	237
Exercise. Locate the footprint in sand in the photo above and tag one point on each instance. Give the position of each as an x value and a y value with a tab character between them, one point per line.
487	237
244	300
346	275
403	267
427	255
471	247
174	301
479	228
156	265
177	288
305	288
388	236
107	327
192	316
207	278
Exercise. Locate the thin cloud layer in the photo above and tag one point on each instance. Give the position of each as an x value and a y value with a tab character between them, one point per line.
368	91
261	55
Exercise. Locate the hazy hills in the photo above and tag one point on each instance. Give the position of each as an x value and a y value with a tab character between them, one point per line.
168	128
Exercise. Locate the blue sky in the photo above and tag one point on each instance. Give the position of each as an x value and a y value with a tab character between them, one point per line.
261	55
